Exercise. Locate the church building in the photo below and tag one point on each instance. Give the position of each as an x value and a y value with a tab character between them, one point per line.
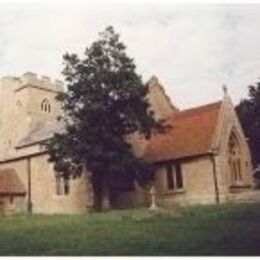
203	158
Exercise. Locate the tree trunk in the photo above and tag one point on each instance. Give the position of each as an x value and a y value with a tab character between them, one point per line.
101	192
105	195
96	192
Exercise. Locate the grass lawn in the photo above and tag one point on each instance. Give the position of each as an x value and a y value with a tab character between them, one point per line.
204	230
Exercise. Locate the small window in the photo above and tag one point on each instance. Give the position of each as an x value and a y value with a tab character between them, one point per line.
66	186
174	176
45	106
18	103
170	179
62	185
179	180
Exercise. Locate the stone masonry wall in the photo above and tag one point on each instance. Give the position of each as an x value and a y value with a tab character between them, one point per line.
198	184
43	188
20	107
229	124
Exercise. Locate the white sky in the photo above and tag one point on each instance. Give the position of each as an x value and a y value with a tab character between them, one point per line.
194	49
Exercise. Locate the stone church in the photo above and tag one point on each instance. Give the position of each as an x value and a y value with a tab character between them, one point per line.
203	158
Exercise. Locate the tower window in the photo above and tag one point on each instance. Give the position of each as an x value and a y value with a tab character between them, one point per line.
45	106
18	103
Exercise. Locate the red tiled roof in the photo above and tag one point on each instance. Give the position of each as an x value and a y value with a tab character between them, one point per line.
190	134
10	183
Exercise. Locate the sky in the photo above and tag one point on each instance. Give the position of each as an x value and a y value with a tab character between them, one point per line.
194	49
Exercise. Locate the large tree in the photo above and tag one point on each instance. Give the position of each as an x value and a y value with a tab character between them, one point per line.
248	111
106	101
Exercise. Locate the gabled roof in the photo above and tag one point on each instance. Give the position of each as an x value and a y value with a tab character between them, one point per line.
191	134
41	133
10	183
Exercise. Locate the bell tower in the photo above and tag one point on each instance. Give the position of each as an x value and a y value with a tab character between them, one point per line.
28	101
35	99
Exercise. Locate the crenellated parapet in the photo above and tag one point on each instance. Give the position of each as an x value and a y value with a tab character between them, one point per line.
30	79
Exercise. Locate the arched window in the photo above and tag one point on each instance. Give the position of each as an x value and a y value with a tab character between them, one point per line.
45	106
18	103
235	159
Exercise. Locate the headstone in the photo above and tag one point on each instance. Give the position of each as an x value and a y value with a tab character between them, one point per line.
153	199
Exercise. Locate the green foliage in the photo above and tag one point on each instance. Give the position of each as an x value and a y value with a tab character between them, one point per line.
249	114
106	101
201	230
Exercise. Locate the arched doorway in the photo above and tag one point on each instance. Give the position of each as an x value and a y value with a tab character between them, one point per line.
235	160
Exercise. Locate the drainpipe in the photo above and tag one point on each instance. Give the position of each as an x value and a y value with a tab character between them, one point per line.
212	157
29	185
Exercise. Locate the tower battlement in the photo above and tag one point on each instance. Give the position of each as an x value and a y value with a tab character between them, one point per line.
33	80
27	101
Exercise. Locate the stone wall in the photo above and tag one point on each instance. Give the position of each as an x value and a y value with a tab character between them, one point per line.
228	124
198	184
12	204
7	115
158	99
43	187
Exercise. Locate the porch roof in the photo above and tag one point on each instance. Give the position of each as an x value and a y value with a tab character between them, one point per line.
10	183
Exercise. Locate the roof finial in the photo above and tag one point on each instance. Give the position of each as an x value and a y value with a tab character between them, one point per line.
225	90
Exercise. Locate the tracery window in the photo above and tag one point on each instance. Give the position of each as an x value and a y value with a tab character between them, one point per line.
45	106
235	160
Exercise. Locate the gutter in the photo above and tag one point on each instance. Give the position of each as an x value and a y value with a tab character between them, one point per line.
21	157
39	142
182	158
